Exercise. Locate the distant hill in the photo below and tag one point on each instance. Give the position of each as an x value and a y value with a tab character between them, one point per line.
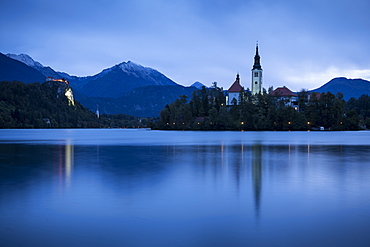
13	70
349	87
142	102
198	85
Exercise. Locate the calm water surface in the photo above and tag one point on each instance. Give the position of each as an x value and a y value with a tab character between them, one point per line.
155	188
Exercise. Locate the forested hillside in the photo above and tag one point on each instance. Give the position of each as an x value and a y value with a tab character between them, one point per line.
38	105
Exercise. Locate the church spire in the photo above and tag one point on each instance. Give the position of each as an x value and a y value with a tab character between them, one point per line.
257	74
257	63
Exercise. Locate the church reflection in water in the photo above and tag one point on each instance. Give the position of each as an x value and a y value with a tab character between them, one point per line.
257	175
244	160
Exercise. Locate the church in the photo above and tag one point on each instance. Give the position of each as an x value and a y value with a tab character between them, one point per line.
233	93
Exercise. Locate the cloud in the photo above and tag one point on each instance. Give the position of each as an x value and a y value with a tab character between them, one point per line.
301	42
311	80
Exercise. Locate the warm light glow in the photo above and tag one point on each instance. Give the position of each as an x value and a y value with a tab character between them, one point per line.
242	122
289	122
308	123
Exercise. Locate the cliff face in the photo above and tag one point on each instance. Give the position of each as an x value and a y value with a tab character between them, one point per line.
62	87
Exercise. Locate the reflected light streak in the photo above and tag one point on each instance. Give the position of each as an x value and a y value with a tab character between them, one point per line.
69	157
308	153
222	154
242	154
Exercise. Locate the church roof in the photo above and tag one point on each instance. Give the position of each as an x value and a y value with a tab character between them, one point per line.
257	62
236	87
283	92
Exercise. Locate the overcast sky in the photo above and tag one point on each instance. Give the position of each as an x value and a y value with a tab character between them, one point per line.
303	44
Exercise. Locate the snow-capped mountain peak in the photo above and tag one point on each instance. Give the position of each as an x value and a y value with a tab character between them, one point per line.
46	71
24	58
133	67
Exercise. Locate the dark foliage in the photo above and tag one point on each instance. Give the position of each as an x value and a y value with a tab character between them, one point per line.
38	105
360	107
207	111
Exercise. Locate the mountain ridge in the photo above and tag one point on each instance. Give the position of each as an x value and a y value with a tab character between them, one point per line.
126	87
349	87
114	81
113	84
14	70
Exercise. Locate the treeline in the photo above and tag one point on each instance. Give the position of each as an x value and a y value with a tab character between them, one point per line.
207	110
38	105
125	121
42	105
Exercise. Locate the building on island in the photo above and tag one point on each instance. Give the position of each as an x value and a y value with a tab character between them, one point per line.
287	96
233	94
281	93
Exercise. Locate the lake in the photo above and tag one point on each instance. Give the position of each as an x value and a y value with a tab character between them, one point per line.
118	187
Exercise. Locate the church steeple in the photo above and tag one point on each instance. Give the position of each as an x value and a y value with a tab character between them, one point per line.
256	74
257	63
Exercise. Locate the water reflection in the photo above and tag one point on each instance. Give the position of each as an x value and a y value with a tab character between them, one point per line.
122	195
257	175
66	163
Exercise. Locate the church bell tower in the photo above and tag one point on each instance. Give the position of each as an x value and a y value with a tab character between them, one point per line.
256	74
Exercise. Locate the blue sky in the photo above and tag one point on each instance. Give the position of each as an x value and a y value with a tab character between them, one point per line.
303	44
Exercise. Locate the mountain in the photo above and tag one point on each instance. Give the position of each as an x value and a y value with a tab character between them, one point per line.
13	70
198	85
111	82
349	87
46	70
126	88
123	78
24	58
